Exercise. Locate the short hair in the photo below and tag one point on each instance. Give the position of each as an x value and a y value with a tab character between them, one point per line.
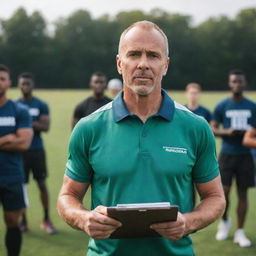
147	25
99	74
26	75
236	72
193	85
4	68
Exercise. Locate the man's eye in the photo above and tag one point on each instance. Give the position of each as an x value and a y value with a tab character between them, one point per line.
133	54
153	55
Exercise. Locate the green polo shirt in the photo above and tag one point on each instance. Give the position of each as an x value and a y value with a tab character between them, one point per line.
128	161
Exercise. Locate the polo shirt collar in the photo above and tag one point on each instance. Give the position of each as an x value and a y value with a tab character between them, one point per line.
120	110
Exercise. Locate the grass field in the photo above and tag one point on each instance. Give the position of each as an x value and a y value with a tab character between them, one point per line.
68	241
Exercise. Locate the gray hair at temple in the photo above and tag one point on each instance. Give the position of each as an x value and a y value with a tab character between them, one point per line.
147	25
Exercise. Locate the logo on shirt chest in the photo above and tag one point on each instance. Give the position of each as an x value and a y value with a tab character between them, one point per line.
239	119
34	111
7	121
175	150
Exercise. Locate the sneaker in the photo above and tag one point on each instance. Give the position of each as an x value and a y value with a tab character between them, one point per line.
23	227
241	239
223	229
48	227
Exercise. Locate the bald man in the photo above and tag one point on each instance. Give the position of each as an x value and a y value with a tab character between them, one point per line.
158	157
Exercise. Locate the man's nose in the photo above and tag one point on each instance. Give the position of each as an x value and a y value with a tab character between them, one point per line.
143	62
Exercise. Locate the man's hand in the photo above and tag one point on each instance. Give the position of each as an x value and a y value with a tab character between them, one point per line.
9	138
98	225
173	230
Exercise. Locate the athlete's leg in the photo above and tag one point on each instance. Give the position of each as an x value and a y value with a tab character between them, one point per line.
13	237
241	206
226	192
44	196
27	164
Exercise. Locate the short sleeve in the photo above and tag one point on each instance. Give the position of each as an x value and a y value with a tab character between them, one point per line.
254	117
44	109
78	167
206	167
217	114
23	119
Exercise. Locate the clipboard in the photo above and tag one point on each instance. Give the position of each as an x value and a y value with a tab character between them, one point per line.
136	221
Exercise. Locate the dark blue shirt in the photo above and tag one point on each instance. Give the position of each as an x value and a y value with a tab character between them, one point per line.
238	116
36	108
13	116
202	111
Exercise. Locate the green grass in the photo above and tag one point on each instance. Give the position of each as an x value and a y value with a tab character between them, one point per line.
68	241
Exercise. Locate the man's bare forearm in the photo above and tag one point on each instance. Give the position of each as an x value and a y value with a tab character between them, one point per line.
40	126
16	142
205	213
71	210
250	139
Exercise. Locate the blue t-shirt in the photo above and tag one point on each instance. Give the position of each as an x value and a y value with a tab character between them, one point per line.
36	108
254	150
239	116
13	116
202	111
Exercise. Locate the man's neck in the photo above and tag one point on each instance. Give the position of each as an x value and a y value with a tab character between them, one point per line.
143	106
27	97
192	105
98	96
3	100
237	96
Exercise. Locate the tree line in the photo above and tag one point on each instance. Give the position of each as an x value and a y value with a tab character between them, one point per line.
79	45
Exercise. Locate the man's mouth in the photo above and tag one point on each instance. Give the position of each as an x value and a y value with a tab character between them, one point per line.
143	78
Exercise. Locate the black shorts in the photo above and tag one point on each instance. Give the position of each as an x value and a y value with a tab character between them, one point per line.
13	196
35	161
240	167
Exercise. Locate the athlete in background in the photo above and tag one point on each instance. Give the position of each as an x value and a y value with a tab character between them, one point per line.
15	136
98	84
236	114
193	93
34	159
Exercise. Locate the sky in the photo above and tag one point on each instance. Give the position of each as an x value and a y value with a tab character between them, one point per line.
200	10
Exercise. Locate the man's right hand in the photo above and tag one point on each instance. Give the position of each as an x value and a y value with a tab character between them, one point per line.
7	139
98	225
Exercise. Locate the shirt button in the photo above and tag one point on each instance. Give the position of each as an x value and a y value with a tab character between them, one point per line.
144	134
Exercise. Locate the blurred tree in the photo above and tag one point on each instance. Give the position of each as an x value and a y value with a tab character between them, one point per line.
82	44
24	43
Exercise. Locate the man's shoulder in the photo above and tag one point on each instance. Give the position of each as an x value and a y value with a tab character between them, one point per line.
40	101
250	103
84	102
107	99
95	120
204	109
98	115
18	105
221	105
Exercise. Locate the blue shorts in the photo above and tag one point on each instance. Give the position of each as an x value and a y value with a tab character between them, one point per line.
13	196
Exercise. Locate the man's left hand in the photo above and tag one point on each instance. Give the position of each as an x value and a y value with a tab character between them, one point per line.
173	230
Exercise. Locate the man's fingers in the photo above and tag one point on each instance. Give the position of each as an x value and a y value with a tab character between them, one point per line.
101	209
165	225
101	227
99	234
107	220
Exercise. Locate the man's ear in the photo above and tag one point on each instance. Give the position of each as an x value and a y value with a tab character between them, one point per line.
118	64
10	83
166	66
